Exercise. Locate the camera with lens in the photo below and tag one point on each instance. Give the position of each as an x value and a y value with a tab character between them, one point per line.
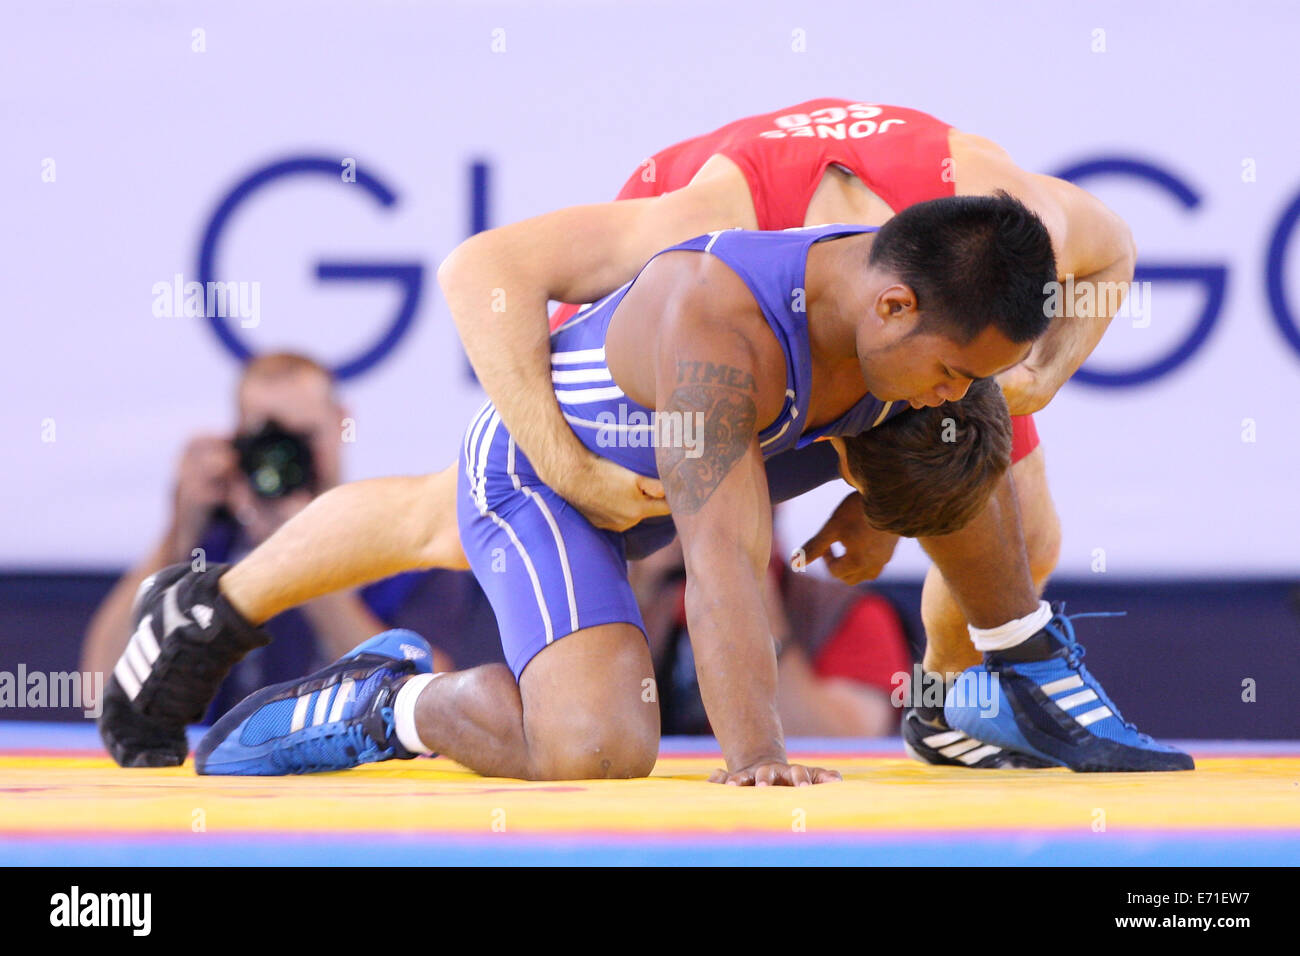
276	460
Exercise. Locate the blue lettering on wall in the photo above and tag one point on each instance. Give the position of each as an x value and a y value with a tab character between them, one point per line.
409	276
1275	279
1212	277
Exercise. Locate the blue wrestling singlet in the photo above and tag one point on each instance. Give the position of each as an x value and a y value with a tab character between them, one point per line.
548	571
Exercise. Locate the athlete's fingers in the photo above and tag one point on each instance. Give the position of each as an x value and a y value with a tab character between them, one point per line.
800	776
865	559
817	546
652	507
839	567
776	775
848	569
743	778
650	487
822	775
1021	389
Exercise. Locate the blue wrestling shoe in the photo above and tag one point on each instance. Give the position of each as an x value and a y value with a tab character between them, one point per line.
334	719
1053	709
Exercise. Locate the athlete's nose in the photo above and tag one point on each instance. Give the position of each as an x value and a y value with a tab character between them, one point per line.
953	391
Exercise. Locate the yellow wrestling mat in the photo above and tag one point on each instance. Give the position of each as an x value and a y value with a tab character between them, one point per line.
65	804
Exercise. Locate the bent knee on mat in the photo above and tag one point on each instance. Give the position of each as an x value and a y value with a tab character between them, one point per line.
590	711
598	754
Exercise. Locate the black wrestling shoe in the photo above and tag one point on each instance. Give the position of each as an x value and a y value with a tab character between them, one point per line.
187	638
937	743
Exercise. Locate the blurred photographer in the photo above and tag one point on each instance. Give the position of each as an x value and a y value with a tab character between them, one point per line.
231	493
840	650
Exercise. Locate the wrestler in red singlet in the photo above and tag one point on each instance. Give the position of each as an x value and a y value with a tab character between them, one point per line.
901	155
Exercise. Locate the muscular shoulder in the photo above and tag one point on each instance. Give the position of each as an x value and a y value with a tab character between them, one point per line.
962	143
983	167
689	307
712	319
1085	234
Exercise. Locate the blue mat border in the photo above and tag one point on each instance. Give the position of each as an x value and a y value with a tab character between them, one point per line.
1026	849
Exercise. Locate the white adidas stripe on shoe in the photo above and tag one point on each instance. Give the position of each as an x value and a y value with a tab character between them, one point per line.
956	745
1070	701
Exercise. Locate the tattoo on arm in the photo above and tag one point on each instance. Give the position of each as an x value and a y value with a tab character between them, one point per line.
728	415
709	373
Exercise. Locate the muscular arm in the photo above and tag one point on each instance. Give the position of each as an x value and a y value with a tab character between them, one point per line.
497	285
720	506
718	376
1092	244
1098	249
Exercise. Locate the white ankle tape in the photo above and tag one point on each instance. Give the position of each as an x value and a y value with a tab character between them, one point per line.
1013	632
404	713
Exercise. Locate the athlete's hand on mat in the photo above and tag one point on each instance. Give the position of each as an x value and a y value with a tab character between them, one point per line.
610	496
866	550
776	773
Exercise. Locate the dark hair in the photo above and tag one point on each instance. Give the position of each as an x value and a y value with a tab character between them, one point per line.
929	471
973	261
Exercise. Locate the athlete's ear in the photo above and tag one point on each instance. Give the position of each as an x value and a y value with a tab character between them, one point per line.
898	301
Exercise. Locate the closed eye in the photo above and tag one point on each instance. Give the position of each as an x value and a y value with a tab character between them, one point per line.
959	373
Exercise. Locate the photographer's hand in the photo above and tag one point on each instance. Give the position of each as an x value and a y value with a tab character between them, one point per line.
208	468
